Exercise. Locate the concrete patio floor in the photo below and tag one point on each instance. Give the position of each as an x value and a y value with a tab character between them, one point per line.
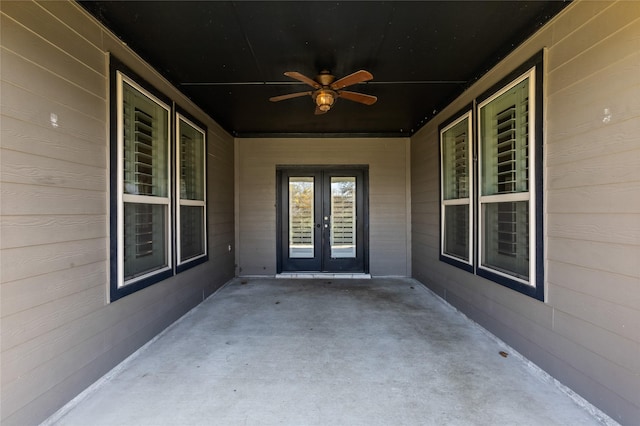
324	352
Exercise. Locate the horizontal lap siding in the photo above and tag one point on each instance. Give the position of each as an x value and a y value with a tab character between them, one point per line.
387	160
586	334
59	333
220	211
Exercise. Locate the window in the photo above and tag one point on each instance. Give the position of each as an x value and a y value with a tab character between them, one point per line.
508	194
505	201
158	222
456	192
191	193
144	213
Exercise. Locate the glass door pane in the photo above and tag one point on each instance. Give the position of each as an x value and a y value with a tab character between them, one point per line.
301	220
343	217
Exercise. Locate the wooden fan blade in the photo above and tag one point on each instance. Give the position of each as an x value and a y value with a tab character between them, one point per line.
303	78
356	77
289	96
358	97
319	111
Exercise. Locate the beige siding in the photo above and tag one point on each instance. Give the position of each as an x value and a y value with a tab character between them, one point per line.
388	196
59	333
586	333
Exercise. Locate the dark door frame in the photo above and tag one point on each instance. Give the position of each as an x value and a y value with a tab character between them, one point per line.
319	170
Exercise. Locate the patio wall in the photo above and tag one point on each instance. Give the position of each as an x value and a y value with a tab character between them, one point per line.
586	333
388	160
59	332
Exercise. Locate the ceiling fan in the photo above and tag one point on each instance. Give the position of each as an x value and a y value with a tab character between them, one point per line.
328	89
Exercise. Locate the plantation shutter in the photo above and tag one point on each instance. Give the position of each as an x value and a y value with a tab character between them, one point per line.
145	184
191	191
504	197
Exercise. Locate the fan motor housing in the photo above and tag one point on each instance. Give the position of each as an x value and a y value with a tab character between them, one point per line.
325	78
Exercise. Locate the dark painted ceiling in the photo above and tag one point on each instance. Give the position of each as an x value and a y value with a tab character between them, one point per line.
229	57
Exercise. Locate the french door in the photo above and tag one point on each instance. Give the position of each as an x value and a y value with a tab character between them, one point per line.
323	220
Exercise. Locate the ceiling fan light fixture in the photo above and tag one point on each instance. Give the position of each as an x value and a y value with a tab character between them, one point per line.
325	99
327	89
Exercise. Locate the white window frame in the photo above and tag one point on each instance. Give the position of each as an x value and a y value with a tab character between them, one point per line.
186	202
511	276
459	201
123	198
512	197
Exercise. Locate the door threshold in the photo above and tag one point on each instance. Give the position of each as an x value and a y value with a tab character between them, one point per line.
324	275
